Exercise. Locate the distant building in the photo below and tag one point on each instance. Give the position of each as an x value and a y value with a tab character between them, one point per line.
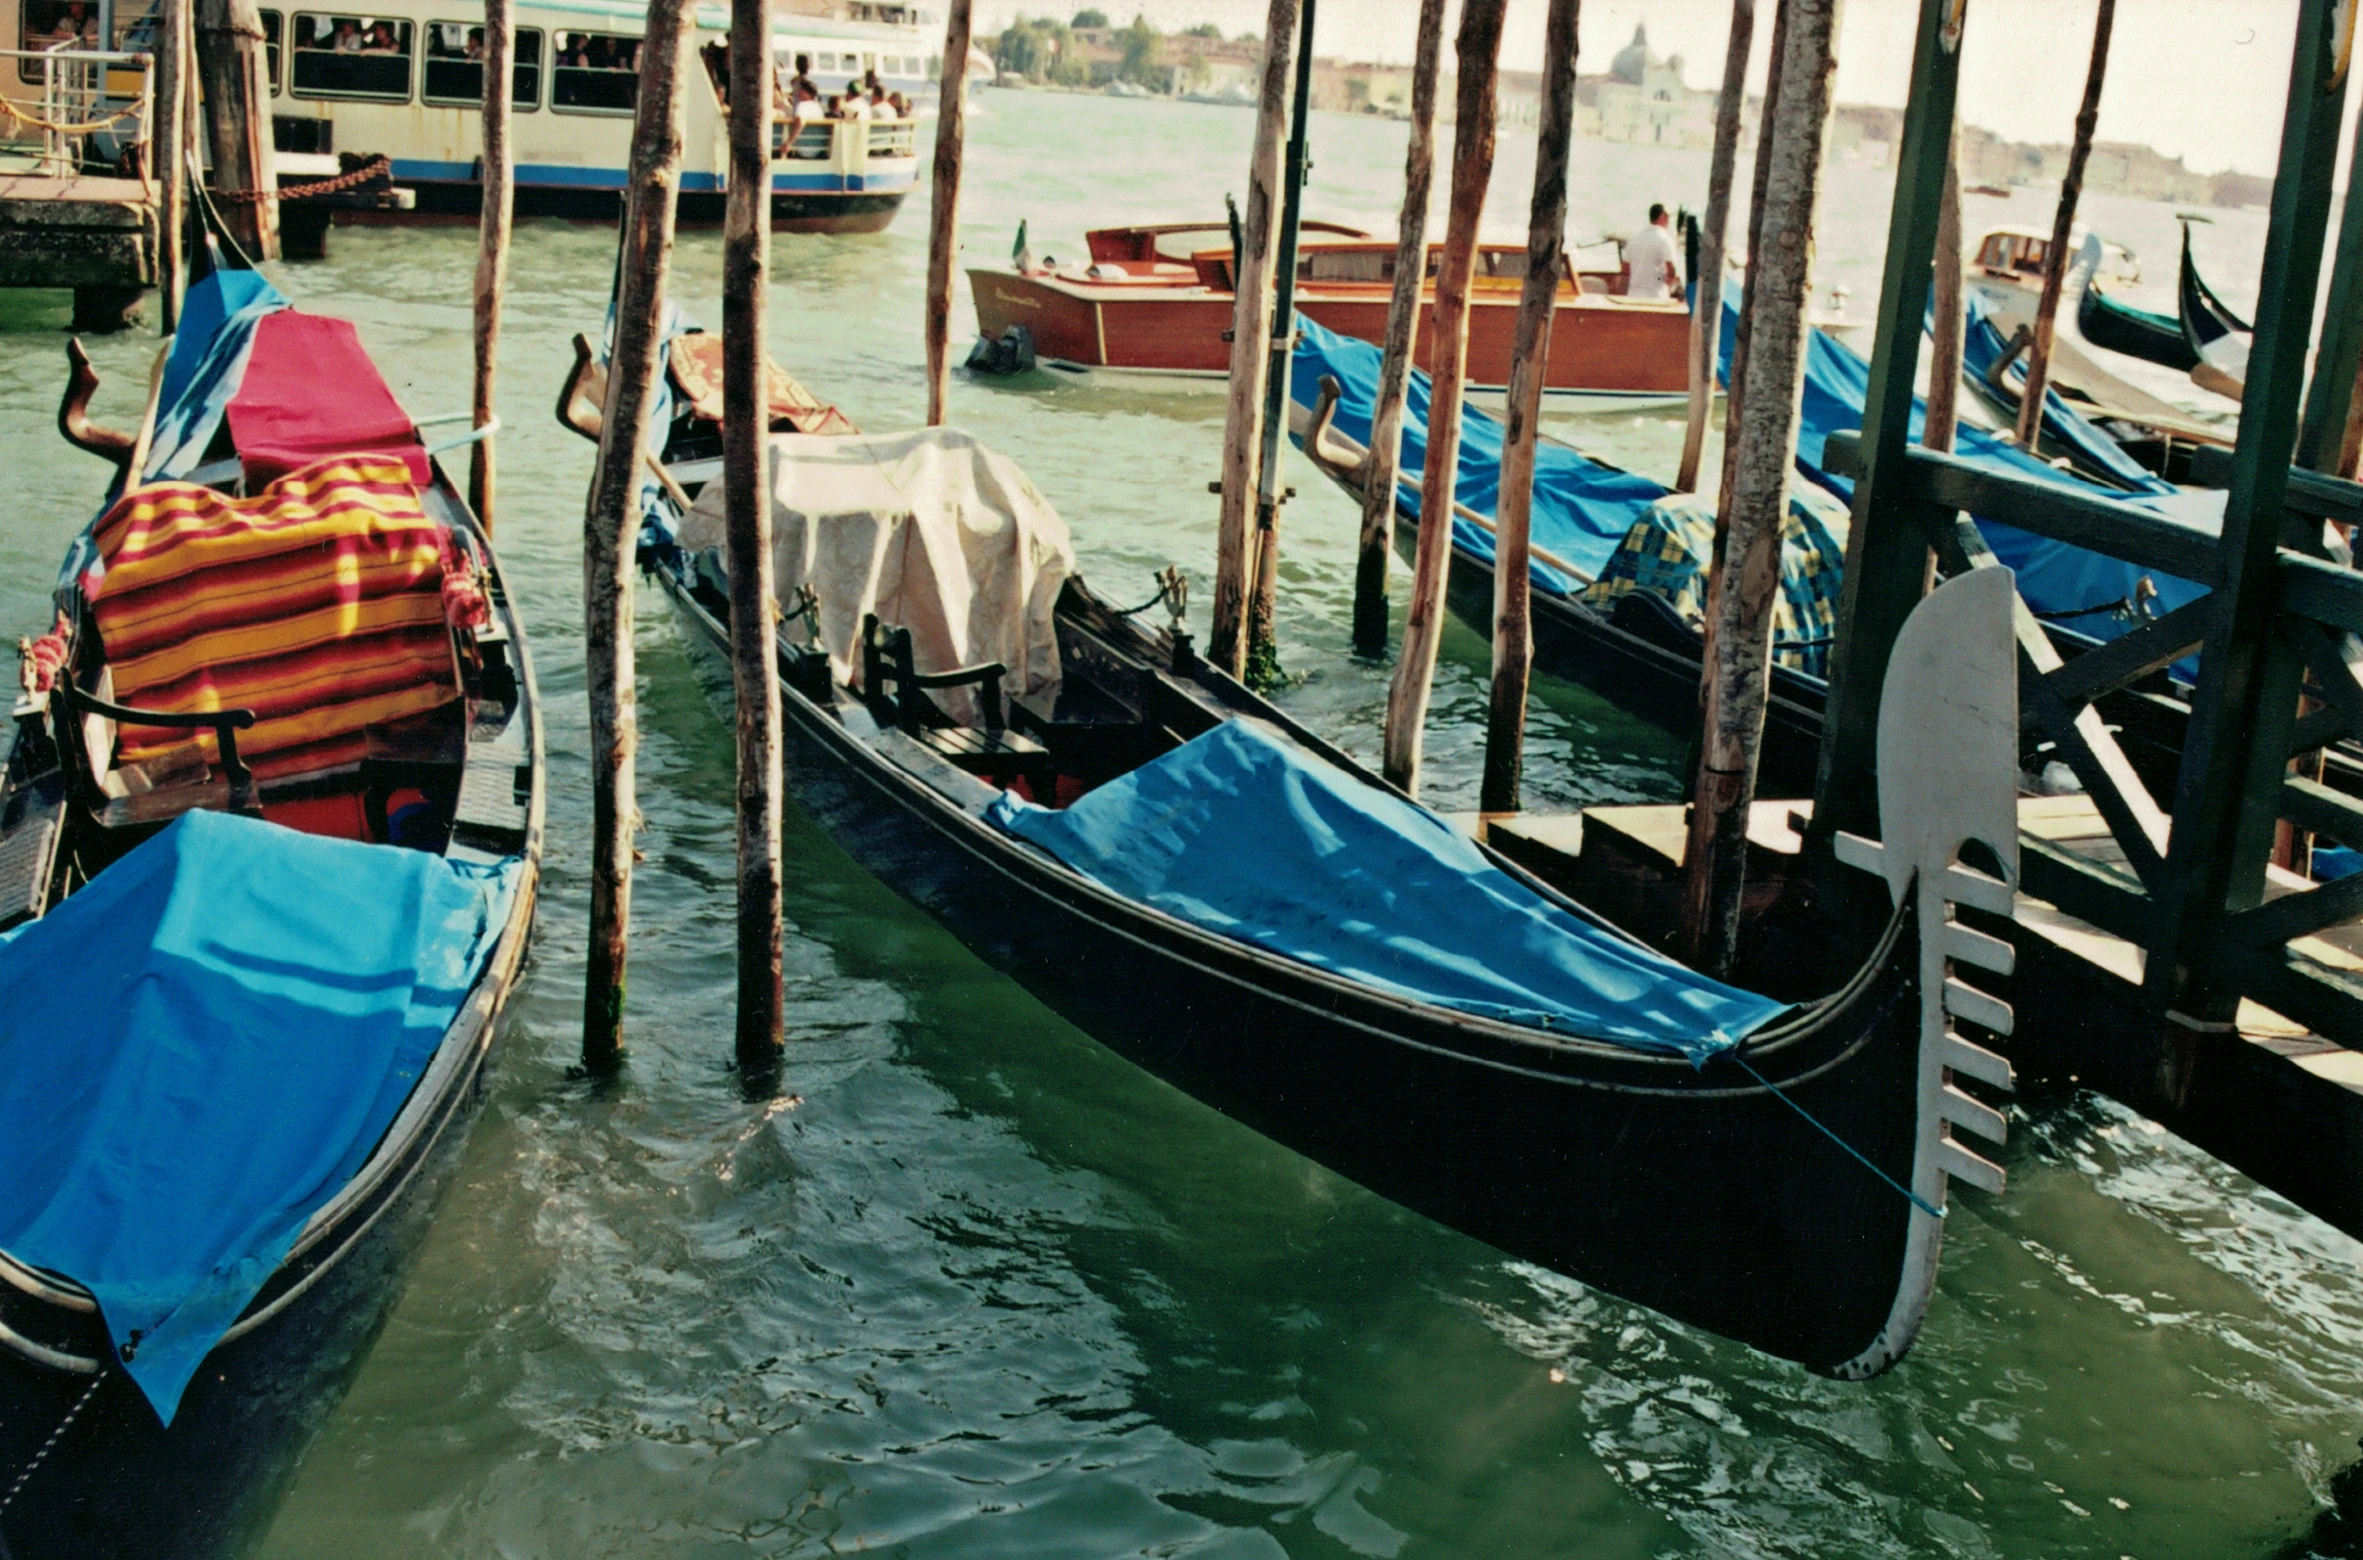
1642	100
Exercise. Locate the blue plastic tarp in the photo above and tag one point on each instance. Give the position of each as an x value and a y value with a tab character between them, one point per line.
1582	509
200	1047
1982	347
1242	833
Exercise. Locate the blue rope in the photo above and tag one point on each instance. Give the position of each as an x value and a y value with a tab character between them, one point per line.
1911	1196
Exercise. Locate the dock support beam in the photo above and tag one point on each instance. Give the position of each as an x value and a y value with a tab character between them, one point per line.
1745	586
611	526
168	145
1886	547
1479	52
1706	288
2235	754
746	496
1394	371
1950	324
943	213
1263	645
492	240
2063	223
1530	356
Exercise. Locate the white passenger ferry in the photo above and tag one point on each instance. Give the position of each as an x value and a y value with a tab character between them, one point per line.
403	81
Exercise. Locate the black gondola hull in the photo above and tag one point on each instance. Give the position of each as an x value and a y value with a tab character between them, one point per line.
2105	323
1699	1194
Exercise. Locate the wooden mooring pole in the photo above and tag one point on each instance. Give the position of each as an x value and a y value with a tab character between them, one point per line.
1706	288
1263	645
1251	336
943	214
1530	353
238	122
746	495
492	239
1738	651
1478	49
1950	324
612	523
1394	370
2063	222
168	145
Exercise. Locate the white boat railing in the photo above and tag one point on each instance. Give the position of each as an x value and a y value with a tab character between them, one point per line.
74	107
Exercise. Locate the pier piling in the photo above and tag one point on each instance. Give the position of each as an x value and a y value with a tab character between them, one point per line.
238	122
1706	287
943	216
492	244
1530	354
1251	334
1478	49
1263	646
746	440
1950	324
2063	223
1746	582
168	144
1394	372
612	523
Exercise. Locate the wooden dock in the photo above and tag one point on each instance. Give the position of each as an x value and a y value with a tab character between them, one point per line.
2264	1093
98	236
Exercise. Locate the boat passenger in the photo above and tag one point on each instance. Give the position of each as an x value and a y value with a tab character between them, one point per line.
475	49
348	37
802	80
381	40
807	110
1653	267
881	107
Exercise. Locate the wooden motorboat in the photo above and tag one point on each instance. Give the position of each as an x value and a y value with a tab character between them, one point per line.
337	813
1153	303
1761	1193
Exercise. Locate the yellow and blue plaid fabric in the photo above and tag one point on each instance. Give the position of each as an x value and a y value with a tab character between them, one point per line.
1670	548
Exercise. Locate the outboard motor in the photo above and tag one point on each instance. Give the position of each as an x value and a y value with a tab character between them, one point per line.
1012	352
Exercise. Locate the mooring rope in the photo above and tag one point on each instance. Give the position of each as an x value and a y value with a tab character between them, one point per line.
86	127
49	1445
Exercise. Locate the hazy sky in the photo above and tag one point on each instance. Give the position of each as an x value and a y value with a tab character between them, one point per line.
2200	79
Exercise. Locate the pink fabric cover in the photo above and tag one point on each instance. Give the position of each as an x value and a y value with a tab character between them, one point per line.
310	391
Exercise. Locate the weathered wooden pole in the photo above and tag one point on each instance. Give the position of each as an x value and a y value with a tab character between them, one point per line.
1734	407
1530	355
1263	646
2063	222
612	523
1706	288
943	211
746	494
168	146
1251	336
238	122
1739	623
1394	370
492	238
1478	49
1950	325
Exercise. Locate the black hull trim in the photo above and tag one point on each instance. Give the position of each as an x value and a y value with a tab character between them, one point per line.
1700	1194
463	200
2105	323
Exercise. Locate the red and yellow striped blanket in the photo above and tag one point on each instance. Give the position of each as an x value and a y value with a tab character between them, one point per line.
318	604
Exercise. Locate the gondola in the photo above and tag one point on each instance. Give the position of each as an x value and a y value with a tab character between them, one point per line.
2217	338
1765	1191
2140	333
270	831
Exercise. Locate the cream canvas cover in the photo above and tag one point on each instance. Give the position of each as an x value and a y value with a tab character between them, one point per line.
930	530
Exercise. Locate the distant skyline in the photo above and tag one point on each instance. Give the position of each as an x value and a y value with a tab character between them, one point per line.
2203	80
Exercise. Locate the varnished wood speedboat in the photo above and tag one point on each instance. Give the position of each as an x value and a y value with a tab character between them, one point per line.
1154	302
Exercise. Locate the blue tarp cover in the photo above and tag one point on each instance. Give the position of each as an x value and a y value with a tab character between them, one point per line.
199	1048
1244	834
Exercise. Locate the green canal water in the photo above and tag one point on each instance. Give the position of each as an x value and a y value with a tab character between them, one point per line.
985	1290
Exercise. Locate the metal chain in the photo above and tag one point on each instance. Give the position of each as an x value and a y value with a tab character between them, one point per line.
344	181
49	1445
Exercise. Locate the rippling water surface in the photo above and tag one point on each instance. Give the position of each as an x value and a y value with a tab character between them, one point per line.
983	1289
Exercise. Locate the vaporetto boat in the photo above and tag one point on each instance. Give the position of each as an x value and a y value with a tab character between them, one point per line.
403	81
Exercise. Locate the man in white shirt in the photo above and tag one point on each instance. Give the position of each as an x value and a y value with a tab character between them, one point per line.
1653	267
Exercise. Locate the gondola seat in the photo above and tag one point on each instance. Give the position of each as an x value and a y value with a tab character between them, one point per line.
315	612
897	693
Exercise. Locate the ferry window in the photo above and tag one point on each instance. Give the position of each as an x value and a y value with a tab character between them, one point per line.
351	56
44	24
455	66
274	28
596	73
